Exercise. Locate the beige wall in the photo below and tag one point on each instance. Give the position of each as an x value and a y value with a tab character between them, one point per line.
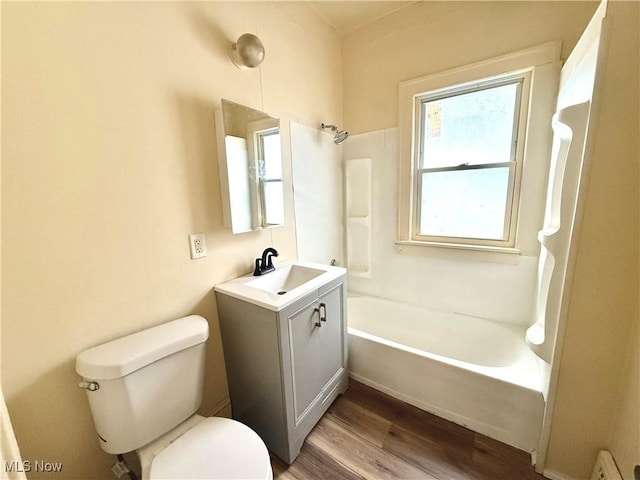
431	37
109	162
604	298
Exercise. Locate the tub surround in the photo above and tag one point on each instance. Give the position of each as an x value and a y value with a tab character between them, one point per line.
499	291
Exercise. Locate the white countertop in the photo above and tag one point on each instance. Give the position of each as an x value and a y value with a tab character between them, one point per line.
238	287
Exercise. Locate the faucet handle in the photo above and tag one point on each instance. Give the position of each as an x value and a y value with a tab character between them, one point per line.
258	270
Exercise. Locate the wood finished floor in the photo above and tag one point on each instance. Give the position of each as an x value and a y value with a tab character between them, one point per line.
366	434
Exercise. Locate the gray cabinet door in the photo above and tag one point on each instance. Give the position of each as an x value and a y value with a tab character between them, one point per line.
331	337
306	366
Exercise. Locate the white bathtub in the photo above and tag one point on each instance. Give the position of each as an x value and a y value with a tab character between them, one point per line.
472	371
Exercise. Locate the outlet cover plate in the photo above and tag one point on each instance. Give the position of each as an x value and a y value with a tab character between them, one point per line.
197	245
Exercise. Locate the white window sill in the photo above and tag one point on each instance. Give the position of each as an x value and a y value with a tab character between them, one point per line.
457	251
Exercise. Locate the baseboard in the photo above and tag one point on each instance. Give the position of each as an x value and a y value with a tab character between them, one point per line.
221	409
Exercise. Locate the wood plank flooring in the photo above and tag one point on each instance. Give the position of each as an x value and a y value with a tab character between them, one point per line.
366	434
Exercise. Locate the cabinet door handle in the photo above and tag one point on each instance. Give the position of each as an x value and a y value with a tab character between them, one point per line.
323	312
317	324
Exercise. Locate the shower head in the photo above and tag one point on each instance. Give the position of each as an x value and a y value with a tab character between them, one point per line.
340	135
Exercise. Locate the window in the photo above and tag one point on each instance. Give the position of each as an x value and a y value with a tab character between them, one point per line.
462	150
467	162
270	174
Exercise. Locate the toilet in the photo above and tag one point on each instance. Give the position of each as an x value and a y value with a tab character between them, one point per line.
144	390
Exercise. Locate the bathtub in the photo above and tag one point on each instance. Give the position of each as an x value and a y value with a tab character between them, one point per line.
472	371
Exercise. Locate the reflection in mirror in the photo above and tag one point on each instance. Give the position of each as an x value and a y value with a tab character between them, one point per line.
250	160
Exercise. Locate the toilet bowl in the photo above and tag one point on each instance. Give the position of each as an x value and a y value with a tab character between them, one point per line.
211	447
144	390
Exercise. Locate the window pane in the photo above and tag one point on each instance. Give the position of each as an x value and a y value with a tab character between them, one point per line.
464	203
273	203
272	155
473	128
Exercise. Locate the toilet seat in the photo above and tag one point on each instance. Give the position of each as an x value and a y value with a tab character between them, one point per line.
215	448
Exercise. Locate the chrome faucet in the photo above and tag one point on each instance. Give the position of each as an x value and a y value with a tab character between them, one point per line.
265	264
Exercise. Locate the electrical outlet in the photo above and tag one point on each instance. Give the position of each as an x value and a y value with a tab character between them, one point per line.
198	245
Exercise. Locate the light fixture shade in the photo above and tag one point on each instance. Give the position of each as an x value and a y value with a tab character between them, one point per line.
247	52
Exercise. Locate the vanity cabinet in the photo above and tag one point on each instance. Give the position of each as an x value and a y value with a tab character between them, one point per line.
285	368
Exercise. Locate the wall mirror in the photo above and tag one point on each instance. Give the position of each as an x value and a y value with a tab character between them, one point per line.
250	161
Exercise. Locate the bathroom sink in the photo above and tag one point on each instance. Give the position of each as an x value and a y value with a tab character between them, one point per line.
285	279
285	285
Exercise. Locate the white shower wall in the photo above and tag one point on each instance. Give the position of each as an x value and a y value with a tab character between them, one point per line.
317	180
497	291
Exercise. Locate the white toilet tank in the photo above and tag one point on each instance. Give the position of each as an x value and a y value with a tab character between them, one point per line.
149	382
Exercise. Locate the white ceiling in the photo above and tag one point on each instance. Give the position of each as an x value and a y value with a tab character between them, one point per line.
346	16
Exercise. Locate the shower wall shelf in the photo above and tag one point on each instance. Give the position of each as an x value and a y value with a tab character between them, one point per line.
358	216
569	126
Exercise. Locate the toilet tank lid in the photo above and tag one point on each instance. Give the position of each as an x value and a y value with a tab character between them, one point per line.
122	356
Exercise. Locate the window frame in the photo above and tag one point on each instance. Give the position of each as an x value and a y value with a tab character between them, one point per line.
262	179
256	130
523	80
542	65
